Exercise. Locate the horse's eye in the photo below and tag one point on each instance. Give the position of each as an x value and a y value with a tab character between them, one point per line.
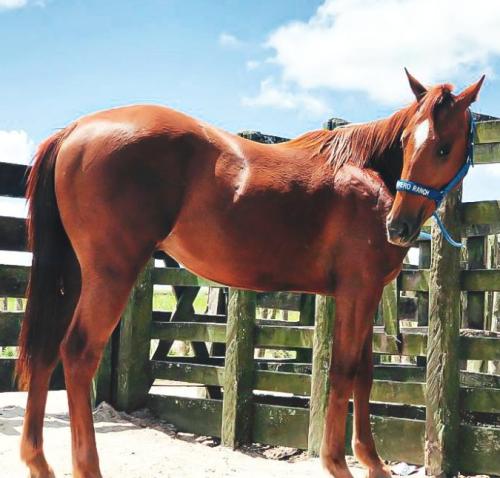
444	150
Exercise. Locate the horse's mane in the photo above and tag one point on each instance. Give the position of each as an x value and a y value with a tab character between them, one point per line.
364	145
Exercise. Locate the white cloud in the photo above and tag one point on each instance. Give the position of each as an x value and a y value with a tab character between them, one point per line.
362	45
14	4
482	183
229	41
11	4
280	96
15	147
252	64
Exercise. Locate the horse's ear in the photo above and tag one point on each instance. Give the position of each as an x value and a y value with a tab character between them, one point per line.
418	89
469	95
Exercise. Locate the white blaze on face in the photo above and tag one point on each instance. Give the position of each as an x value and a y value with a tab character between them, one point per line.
421	133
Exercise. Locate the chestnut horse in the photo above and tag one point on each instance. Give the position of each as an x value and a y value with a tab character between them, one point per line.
316	214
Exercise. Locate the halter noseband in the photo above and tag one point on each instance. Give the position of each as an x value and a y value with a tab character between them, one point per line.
437	195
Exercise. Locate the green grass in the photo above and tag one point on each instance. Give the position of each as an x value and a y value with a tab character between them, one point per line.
165	300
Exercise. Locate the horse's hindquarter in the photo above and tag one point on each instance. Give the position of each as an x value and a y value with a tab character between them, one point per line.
120	179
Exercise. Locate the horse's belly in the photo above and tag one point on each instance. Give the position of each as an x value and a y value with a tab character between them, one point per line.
252	258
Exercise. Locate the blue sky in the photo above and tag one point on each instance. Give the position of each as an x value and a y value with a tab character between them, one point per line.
280	66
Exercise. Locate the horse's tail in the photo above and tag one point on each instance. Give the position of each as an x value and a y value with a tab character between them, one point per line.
44	324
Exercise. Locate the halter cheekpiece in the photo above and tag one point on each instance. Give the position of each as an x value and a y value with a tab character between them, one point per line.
437	195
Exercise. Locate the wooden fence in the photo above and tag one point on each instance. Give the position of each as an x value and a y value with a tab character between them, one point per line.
434	395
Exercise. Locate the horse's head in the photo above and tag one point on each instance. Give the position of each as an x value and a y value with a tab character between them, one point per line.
435	146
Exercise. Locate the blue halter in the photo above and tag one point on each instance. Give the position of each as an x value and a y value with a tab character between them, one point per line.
437	195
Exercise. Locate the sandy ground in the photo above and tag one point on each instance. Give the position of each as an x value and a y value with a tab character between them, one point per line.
137	448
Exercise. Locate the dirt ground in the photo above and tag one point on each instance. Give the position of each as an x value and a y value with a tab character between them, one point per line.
139	447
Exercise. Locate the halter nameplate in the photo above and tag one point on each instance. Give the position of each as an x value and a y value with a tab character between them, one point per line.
418	189
437	195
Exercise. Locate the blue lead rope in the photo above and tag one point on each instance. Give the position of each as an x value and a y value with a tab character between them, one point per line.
437	195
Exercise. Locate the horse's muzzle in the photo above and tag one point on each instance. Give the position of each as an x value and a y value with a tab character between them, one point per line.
402	232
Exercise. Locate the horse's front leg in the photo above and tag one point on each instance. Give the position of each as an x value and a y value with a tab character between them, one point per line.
362	442
353	322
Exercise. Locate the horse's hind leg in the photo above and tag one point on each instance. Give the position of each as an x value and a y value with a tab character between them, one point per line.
32	438
103	297
362	442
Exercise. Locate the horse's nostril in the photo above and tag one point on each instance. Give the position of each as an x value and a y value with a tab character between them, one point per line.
398	229
404	229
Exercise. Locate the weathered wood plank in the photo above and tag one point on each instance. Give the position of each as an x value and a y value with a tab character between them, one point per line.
480	212
7	366
487	132
399	372
195	332
407	393
180	277
399	439
279	300
7	384
102	383
306	317
13	281
487	153
12	179
188	372
287	336
284	382
481	280
12	233
165	316
442	393
390	299
193	415
10	325
480	348
474	315
414	280
424	262
320	380
285	426
412	343
476	399
133	365
479	450
239	369
477	379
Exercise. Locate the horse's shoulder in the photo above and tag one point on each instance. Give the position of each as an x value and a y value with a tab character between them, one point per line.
363	182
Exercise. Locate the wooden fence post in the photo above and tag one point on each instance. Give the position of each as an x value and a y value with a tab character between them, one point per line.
101	388
424	262
390	299
239	368
320	379
474	317
442	393
133	375
476	252
306	318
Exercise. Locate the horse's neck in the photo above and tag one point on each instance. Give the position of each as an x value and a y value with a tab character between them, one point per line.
389	165
388	161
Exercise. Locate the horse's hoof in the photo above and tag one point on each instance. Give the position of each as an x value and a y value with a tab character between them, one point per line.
47	474
335	468
382	471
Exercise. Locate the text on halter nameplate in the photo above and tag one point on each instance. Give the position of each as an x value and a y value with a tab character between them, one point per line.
413	188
